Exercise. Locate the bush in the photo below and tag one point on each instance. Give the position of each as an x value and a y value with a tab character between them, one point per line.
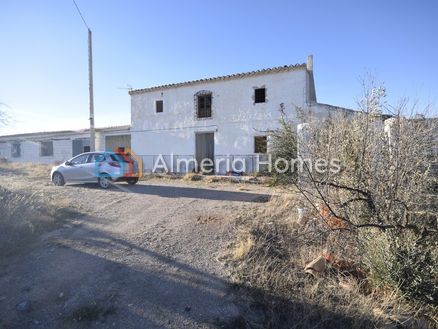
382	193
403	262
268	260
373	218
284	146
23	216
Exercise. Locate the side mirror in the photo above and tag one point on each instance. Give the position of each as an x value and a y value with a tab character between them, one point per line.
68	163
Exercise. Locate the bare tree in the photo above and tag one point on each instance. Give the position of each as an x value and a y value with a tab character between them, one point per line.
386	162
384	193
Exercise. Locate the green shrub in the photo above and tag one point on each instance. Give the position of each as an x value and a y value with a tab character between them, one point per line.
284	146
404	262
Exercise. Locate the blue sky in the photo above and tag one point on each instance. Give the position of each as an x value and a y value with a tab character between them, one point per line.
43	56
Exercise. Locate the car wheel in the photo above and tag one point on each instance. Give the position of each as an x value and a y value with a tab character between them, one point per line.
132	181
57	179
105	181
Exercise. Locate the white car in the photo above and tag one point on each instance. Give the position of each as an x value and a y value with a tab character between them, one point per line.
96	167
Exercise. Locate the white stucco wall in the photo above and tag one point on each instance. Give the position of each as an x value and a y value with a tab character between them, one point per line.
5	149
62	144
236	119
30	151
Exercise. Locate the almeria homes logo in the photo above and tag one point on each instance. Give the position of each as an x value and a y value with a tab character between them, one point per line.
258	163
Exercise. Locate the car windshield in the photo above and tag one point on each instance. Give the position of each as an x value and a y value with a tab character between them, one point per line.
81	159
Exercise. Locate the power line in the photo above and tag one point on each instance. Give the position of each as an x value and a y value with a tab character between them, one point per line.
80	14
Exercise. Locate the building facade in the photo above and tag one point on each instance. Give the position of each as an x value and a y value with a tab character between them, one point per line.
222	117
59	146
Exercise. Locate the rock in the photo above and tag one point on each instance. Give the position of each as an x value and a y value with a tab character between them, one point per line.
23	306
35	322
61	295
316	267
302	216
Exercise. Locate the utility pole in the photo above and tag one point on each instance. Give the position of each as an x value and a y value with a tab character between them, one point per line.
90	82
90	88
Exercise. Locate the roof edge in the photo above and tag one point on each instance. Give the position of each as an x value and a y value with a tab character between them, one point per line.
277	69
69	132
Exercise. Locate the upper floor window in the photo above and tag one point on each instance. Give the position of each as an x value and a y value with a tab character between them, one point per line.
159	106
203	102
260	95
46	149
16	150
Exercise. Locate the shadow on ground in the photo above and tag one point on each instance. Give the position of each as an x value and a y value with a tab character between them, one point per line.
184	192
90	279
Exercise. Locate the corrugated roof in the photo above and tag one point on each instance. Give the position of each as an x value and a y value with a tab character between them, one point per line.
277	69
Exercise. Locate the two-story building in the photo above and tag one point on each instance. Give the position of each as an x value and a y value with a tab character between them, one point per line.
221	117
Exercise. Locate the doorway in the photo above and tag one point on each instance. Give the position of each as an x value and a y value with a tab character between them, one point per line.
205	150
80	145
117	142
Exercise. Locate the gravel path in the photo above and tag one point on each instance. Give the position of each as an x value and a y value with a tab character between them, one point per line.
141	256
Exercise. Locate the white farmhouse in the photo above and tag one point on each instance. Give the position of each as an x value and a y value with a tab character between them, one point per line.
222	119
219	118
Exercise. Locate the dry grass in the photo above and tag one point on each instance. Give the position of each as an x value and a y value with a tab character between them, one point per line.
268	260
243	248
212	179
31	170
26	214
192	177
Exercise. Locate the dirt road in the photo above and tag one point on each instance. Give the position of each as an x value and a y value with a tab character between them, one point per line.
141	256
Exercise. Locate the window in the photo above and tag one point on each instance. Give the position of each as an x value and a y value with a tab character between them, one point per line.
80	159
260	144
16	150
120	157
46	149
204	105
96	157
159	106
260	95
86	149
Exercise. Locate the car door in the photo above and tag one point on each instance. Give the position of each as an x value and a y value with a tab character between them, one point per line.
91	167
75	172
